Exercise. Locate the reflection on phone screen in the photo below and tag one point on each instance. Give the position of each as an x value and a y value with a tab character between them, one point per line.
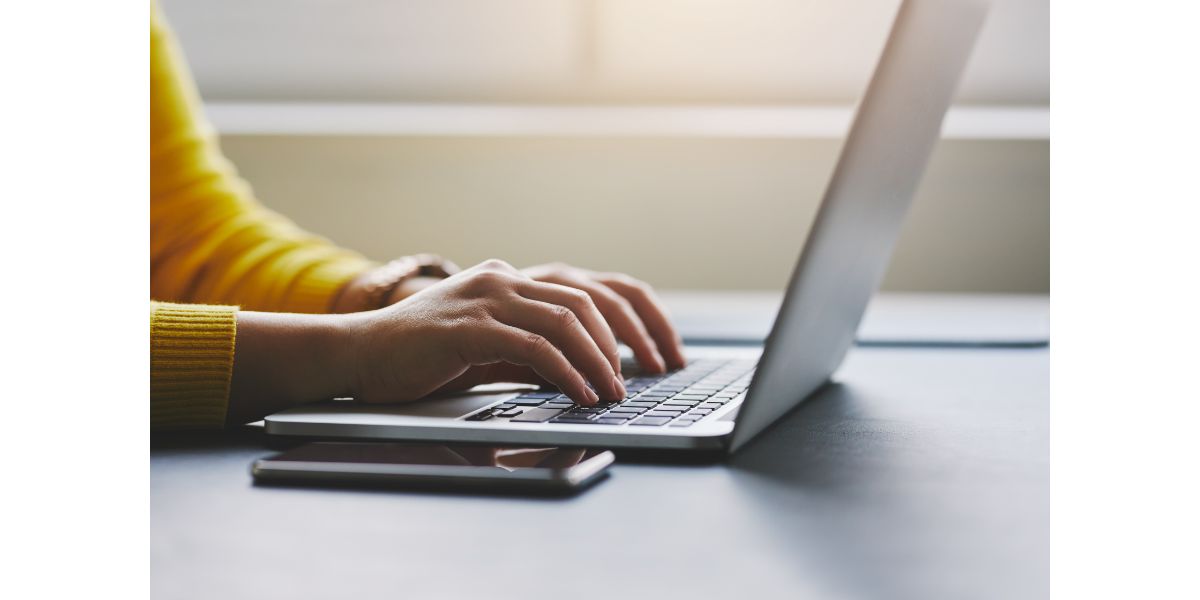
409	454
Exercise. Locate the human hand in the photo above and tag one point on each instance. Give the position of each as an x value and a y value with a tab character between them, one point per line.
630	306
488	323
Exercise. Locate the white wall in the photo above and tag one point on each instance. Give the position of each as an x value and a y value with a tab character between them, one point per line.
670	202
682	213
741	51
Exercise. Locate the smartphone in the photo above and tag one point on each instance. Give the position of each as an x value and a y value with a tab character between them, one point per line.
474	468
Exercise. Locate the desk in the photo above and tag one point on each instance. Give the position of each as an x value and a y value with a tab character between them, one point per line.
923	474
1013	320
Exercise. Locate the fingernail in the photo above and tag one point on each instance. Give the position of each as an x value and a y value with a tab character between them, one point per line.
660	363
591	395
619	387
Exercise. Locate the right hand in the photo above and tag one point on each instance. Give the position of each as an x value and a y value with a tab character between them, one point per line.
487	323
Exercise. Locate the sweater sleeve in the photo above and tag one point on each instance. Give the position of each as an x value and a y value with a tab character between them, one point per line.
211	242
191	364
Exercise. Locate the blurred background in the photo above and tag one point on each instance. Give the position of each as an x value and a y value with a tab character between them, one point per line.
686	142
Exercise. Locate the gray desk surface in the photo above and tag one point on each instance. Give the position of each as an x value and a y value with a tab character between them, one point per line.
923	474
932	319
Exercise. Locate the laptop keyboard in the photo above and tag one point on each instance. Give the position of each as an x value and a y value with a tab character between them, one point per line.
676	399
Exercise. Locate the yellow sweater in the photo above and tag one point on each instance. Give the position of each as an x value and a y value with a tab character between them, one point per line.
213	248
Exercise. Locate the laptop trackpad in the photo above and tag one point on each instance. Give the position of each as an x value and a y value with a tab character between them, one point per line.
451	407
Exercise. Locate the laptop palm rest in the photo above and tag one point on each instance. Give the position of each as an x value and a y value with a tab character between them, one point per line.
349	411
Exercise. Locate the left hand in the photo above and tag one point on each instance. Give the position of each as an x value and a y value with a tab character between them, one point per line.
632	309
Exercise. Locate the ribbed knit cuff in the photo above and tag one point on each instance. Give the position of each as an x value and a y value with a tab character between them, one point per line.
191	364
315	290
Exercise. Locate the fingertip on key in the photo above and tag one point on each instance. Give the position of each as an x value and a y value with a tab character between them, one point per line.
618	388
660	364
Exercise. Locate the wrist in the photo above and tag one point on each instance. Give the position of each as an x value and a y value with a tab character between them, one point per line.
410	287
283	359
346	338
353	296
392	282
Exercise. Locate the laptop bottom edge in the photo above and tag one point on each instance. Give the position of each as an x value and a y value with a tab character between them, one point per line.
286	433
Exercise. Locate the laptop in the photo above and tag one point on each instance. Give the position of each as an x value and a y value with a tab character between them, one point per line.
727	395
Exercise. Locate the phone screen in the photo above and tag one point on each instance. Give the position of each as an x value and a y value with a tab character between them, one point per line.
511	459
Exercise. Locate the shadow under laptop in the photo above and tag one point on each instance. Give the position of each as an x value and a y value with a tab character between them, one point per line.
818	479
808	446
875	496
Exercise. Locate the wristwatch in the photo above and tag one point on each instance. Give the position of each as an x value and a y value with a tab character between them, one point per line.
380	283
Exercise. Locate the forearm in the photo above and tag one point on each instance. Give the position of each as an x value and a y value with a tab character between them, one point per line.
281	360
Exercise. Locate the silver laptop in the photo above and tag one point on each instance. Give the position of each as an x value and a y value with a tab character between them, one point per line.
726	396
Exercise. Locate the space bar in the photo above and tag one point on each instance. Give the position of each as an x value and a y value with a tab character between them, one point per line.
537	415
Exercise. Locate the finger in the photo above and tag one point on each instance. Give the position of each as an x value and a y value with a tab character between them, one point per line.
625	323
500	342
653	315
563	328
585	309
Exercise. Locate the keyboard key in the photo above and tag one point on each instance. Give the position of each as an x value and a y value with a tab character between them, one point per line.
678	402
639	404
526	401
541	395
570	418
600	421
663	413
480	416
576	417
537	415
629	410
557	404
710	405
682	423
697	397
651	421
589	410
512	412
504	406
619	415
